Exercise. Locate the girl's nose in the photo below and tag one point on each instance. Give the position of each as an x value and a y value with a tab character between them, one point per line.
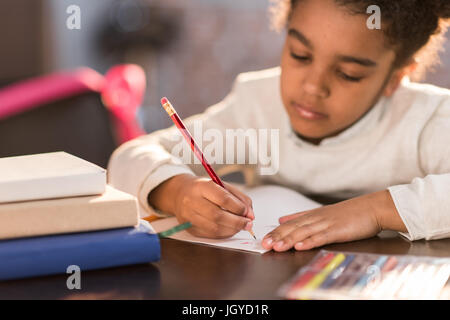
315	85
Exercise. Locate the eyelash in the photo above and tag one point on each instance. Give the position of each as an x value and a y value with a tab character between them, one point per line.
349	78
300	58
341	74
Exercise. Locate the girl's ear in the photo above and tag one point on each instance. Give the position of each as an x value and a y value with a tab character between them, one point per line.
397	77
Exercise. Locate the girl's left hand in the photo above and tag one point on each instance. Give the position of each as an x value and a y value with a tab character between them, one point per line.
348	220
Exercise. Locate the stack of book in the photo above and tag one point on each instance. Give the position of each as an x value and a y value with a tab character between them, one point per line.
56	210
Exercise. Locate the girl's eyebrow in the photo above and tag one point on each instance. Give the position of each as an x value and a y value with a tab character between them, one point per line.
362	61
299	36
349	59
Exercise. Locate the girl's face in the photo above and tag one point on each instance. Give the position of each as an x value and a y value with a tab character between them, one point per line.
333	69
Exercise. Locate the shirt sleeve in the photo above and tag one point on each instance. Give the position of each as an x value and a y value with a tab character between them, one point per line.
140	165
424	204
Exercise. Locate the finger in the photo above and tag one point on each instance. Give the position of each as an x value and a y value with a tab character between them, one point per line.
213	213
278	233
238	193
297	235
287	227
244	198
314	241
202	227
289	217
224	199
267	243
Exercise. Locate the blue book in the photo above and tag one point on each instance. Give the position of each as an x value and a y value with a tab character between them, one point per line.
38	256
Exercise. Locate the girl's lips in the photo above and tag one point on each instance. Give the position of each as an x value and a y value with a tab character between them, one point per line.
308	113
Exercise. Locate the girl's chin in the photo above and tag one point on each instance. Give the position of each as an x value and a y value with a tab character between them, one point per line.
309	136
309	131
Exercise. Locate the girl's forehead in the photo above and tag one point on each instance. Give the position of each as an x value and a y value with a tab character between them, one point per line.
331	27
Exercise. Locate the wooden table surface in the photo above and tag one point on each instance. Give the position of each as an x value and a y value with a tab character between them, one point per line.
192	271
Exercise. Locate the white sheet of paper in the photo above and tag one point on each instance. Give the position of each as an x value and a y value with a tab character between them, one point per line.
270	202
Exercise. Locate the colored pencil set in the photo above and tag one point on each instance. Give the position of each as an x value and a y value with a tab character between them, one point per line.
348	275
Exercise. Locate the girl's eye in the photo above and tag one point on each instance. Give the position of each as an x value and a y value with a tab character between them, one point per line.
346	77
300	58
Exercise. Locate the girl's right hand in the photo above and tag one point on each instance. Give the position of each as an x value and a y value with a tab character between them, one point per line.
213	211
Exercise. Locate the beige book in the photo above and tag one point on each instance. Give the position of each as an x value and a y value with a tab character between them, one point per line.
113	209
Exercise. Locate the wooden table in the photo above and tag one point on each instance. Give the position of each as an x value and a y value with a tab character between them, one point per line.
191	271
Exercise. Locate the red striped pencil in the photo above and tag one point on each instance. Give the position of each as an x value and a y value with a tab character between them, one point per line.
198	153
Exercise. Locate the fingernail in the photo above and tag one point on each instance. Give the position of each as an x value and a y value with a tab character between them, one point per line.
279	244
298	244
251	214
268	241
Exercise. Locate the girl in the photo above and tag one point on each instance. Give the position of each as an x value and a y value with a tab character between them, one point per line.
351	126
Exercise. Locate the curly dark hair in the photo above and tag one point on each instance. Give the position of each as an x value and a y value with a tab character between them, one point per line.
414	28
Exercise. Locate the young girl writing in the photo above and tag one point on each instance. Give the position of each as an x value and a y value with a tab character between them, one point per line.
351	126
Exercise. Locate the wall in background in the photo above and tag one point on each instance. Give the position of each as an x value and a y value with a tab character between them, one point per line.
73	48
441	75
216	41
21	31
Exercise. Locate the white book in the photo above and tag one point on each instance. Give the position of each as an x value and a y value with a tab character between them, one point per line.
47	176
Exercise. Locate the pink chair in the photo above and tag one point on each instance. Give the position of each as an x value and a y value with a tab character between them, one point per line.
121	89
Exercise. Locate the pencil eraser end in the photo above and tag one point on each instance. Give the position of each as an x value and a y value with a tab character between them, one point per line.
164	100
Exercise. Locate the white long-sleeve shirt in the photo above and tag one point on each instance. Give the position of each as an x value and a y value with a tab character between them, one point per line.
402	144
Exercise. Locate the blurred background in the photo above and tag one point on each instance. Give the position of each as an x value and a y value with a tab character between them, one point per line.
191	51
